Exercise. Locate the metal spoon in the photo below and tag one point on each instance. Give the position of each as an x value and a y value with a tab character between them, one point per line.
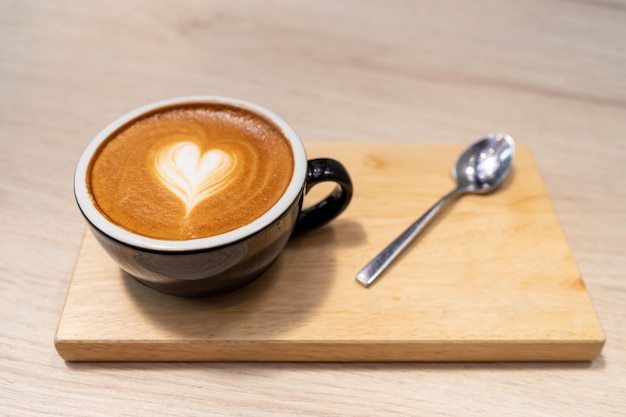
480	169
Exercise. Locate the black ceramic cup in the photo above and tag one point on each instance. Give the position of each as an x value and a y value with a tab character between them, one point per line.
216	264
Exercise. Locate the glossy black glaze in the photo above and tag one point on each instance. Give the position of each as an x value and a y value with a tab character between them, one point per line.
206	272
323	170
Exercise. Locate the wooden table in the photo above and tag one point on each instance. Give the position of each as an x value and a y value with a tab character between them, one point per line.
550	73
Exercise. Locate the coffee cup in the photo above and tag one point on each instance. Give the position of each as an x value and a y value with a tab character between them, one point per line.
199	195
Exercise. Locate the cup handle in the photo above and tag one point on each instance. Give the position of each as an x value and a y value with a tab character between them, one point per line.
323	170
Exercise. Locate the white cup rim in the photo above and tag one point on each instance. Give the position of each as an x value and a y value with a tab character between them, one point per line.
100	222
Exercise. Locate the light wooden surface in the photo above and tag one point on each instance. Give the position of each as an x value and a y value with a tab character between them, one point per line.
494	281
550	73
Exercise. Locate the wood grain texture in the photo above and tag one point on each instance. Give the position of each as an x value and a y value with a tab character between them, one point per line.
549	72
494	280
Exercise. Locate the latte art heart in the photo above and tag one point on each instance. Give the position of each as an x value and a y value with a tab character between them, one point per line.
190	175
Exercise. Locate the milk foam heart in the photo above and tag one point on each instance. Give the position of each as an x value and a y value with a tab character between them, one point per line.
190	175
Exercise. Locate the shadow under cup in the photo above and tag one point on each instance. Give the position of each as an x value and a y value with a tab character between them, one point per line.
216	264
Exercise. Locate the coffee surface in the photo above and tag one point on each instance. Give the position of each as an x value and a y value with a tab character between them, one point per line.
191	172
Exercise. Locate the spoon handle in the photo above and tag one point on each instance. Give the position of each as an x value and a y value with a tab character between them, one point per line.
378	264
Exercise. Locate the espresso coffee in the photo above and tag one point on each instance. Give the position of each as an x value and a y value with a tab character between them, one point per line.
190	172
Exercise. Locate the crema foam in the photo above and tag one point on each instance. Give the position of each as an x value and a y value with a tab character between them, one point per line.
191	171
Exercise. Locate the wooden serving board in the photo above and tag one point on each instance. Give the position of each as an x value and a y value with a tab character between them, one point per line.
493	279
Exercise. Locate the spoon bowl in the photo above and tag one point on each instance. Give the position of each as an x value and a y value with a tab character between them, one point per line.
485	164
479	169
